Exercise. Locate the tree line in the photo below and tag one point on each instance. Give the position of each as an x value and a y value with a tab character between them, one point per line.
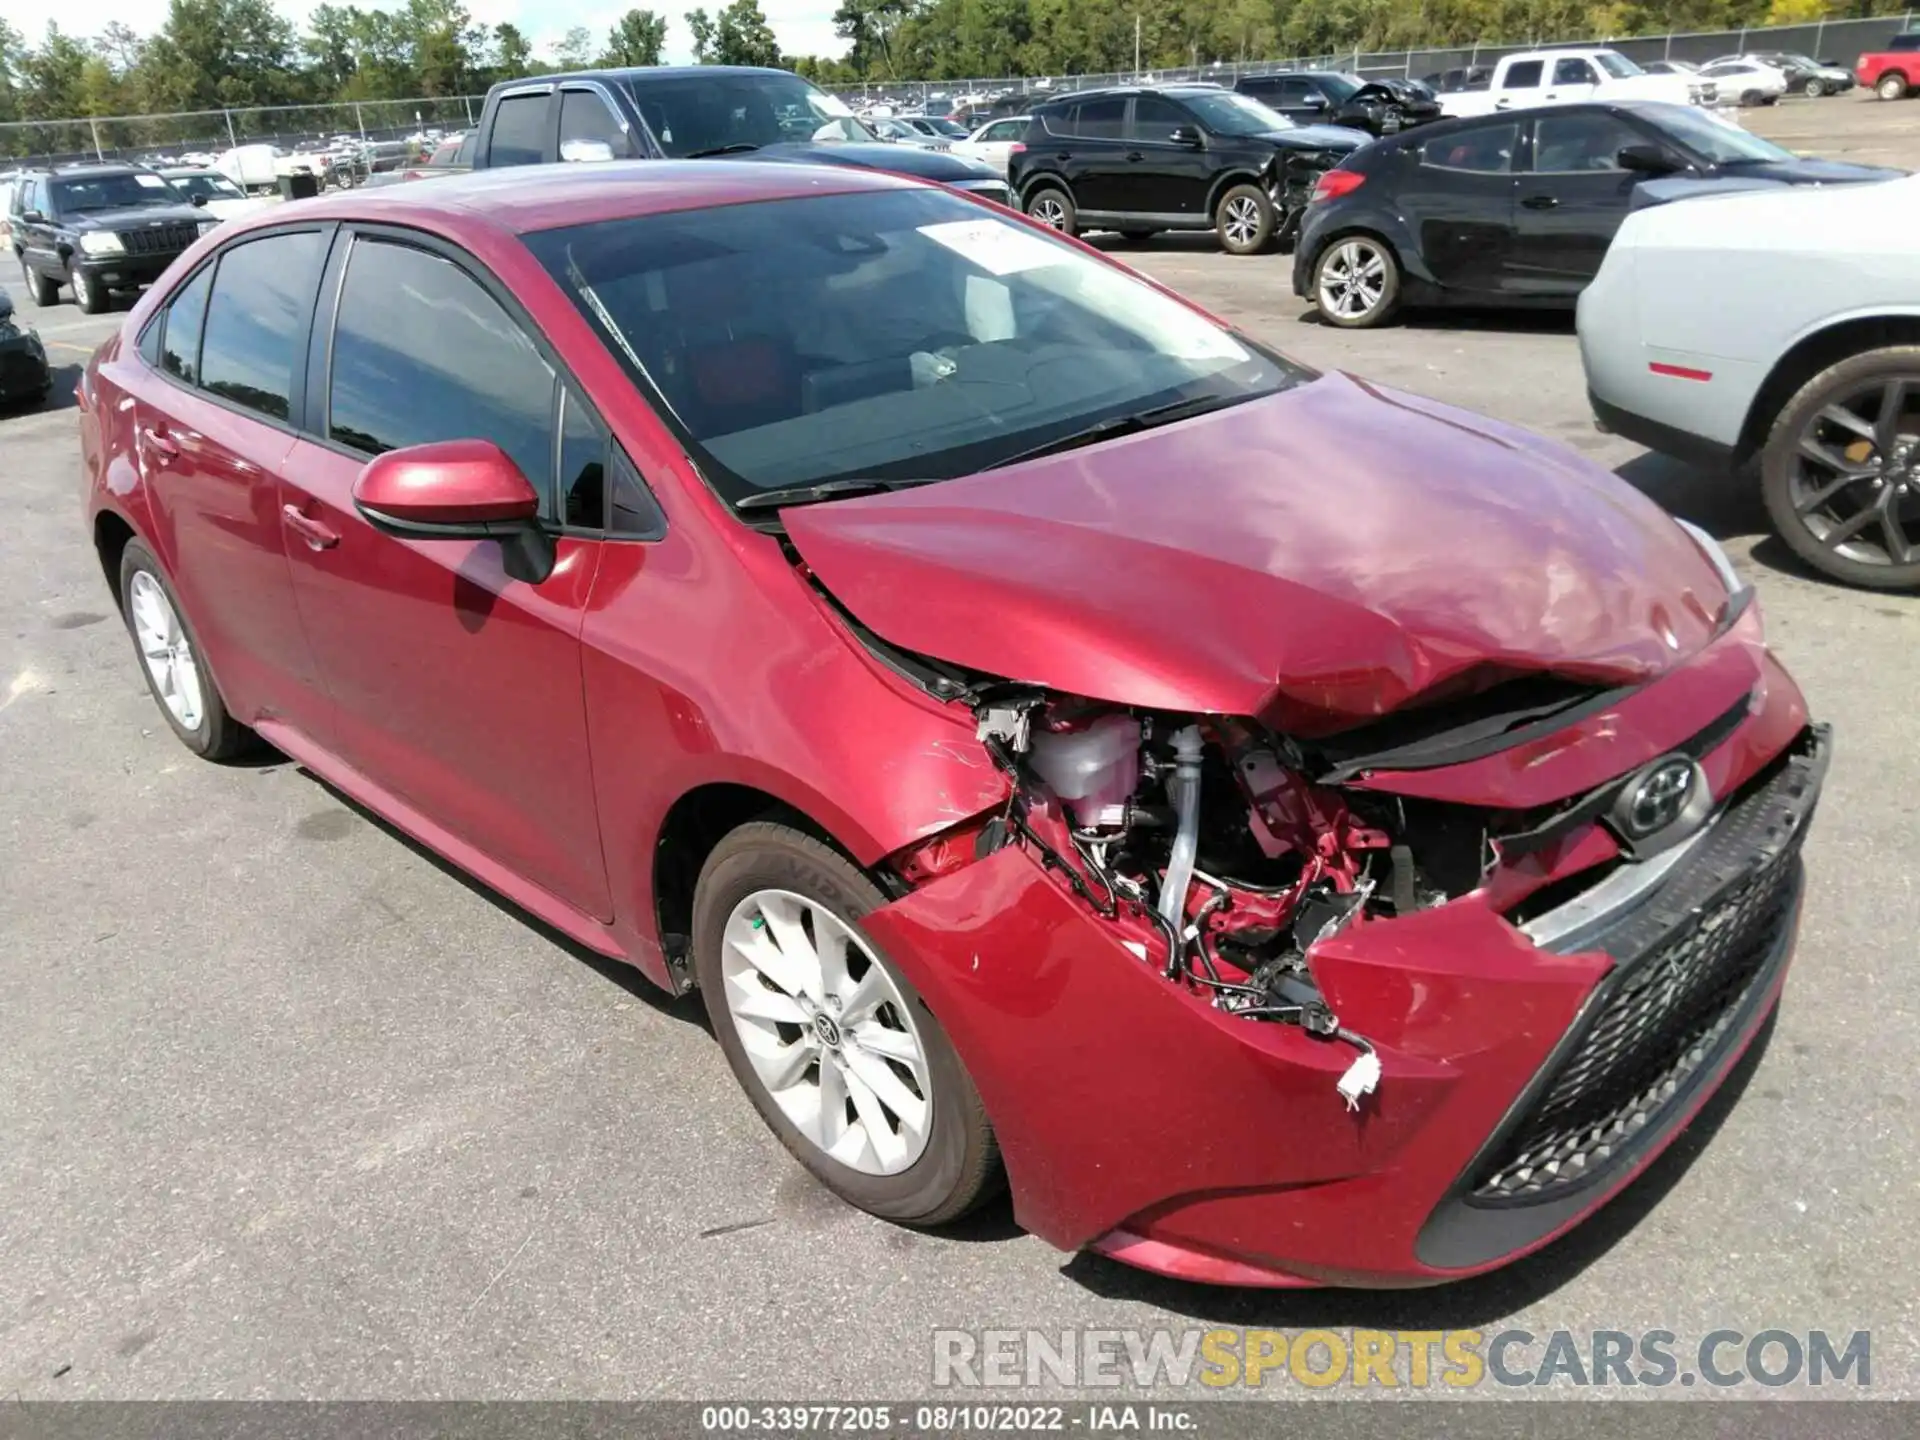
235	54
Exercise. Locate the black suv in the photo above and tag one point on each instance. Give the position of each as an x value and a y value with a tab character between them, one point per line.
1174	157
99	228
1379	107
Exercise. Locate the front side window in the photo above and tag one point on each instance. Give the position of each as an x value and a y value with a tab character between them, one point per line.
256	325
519	131
736	112
1004	130
1224	112
583	465
1524	76
894	334
1563	143
1487	149
422	353
1574	72
586	120
1157	119
82	195
186	313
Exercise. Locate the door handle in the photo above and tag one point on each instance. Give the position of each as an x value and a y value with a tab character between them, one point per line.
312	531
1501	104
1135	155
160	443
1540	202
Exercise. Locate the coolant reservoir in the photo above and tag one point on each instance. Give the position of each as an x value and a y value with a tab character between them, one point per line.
1095	770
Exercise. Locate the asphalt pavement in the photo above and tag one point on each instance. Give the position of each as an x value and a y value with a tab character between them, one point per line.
292	1109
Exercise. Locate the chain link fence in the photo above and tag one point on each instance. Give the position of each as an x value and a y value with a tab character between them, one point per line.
1837	40
139	137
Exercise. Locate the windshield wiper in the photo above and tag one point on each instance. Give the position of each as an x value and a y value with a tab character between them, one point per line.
824	490
739	147
1125	425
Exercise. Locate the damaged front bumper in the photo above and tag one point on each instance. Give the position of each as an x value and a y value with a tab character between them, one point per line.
1525	1081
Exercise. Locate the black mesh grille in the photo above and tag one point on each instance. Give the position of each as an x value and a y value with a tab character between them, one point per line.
1688	960
159	239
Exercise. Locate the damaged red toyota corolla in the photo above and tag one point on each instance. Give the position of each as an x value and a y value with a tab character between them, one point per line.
1295	832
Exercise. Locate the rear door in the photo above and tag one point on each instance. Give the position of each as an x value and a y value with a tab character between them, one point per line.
1572	196
1090	148
457	687
1162	178
1457	198
1521	84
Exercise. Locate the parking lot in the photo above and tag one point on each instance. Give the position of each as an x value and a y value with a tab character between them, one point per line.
295	1110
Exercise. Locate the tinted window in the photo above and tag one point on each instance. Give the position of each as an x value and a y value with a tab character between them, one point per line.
422	353
1157	119
583	466
1002	130
180	346
692	115
1909	41
519	131
584	116
1264	86
635	512
1580	142
1098	119
1574	72
1486	148
257	320
1524	76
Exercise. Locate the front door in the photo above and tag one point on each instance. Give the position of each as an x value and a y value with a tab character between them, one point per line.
1459	201
457	687
1572	196
1163	177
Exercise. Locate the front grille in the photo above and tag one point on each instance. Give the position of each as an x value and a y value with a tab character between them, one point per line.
159	239
1690	960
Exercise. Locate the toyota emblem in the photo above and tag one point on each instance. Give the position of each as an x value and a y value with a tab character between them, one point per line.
1658	798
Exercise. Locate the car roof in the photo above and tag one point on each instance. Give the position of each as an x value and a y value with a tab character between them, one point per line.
646	72
521	199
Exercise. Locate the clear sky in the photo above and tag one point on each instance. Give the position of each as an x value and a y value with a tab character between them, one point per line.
803	27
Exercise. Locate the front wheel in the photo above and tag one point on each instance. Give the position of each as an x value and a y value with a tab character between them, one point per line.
1816	88
834	1046
1244	220
1054	208
1841	470
1891	87
1356	283
92	296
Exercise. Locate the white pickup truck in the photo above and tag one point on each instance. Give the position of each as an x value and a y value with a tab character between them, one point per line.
1559	77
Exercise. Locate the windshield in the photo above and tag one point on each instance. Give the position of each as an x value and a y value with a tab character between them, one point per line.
79	195
1339	88
940	125
214	187
699	115
1718	143
1227	112
890	334
1616	64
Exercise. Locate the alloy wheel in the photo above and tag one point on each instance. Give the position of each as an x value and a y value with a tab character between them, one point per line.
827	1032
1353	279
1855	478
167	651
1050	212
1243	220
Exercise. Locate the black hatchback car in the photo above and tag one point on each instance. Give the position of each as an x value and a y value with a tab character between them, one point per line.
99	228
1516	210
1174	157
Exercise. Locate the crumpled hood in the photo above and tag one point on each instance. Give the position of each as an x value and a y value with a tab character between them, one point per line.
1316	558
1318	137
135	217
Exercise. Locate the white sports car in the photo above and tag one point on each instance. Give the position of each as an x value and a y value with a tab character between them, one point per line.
1777	330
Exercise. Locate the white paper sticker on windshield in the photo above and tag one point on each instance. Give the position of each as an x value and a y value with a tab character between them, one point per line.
150	182
830	104
993	245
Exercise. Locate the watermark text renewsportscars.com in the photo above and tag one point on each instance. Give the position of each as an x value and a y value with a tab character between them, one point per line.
1398	1359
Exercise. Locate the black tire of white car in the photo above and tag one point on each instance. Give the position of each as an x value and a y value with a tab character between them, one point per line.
960	1164
1781	455
1244	220
1891	87
218	736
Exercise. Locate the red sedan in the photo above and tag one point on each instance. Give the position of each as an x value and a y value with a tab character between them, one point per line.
1289	831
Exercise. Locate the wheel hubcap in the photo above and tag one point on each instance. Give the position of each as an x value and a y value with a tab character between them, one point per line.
1243	221
1353	280
1050	212
167	650
1855	483
827	1032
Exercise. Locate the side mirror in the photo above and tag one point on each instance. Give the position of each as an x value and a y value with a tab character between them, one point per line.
457	490
1314	102
198	201
1646	159
1186	135
32	217
586	151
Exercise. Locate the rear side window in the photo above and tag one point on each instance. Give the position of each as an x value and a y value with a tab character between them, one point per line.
422	353
257	320
519	131
1096	119
1524	76
186	313
1484	148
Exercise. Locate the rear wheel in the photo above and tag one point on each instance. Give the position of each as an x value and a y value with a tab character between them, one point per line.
170	656
1053	208
43	290
1244	220
1356	283
834	1046
1891	87
1841	470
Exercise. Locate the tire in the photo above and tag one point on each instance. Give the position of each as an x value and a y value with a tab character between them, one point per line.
1244	220
90	295
1364	269
771	880
1815	88
1862	512
1891	87
1053	208
45	292
1750	98
208	730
